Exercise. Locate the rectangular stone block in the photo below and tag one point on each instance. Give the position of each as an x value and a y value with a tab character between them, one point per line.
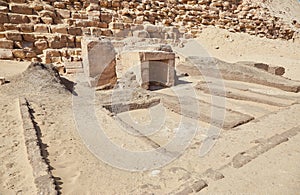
106	17
116	25
75	31
99	61
9	26
21	9
150	67
62	29
41	28
27	28
3	18
63	13
6	54
6	44
13	35
18	19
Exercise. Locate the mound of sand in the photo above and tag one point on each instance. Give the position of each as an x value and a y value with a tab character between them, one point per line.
39	78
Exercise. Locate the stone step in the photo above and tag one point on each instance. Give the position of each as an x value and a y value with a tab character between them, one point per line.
225	91
21	8
185	107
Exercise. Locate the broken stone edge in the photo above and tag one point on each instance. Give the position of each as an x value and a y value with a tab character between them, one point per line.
43	178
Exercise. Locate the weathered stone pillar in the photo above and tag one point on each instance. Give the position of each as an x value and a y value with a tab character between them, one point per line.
99	61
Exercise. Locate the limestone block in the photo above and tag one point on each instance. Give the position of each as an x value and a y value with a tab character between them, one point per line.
41	28
17	18
6	54
13	35
63	13
96	31
116	25
51	53
47	20
141	34
75	31
70	41
157	35
29	37
127	19
150	67
3	18
27	28
107	32
34	19
21	9
9	26
41	44
60	5
102	25
17	1
115	4
47	13
122	33
30	54
106	17
2	28
99	61
93	7
56	42
19	53
62	29
6	44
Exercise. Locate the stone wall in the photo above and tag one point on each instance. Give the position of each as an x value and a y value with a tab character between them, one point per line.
32	30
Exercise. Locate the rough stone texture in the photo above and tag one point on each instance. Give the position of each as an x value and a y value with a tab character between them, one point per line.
21	9
277	70
42	177
150	67
6	44
231	118
245	157
165	20
99	61
191	186
209	67
6	54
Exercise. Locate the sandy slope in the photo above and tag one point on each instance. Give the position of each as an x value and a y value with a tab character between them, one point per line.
235	47
288	10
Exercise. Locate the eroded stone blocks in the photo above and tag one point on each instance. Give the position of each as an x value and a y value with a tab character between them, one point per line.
99	61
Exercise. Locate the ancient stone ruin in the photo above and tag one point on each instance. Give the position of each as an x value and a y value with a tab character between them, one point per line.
99	61
150	64
151	67
51	31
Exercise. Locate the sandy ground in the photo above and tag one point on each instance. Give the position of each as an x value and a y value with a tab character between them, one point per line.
9	68
234	47
15	170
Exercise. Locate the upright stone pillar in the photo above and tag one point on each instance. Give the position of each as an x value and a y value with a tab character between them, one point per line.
99	61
